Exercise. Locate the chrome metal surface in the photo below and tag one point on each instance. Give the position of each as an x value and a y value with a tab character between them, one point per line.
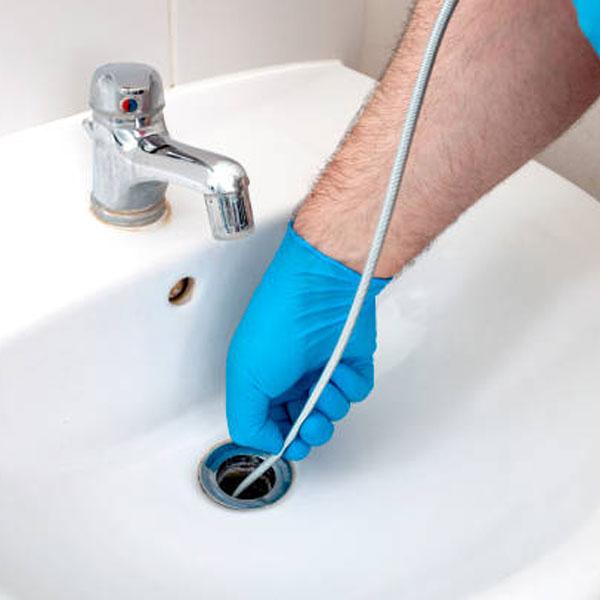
135	159
224	467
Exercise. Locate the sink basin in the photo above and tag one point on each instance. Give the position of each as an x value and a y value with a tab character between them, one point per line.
471	472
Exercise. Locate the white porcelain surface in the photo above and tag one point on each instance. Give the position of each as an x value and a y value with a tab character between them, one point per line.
48	51
212	38
470	473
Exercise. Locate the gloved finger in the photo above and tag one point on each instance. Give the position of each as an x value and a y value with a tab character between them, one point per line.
248	412
355	381
332	403
298	449
317	429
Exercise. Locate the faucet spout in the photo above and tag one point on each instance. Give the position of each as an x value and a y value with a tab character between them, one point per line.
135	159
221	180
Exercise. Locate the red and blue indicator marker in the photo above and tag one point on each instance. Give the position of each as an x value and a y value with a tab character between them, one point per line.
129	105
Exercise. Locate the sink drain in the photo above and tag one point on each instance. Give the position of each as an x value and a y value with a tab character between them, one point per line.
225	467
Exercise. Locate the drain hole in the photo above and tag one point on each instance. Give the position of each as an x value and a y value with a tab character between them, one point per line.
226	466
235	469
181	292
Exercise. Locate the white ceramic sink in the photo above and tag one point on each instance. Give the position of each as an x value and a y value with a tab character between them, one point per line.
472	472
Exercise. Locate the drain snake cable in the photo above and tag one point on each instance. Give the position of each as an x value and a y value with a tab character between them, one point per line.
395	181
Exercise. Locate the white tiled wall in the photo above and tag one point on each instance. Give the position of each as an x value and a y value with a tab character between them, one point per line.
384	23
228	35
48	49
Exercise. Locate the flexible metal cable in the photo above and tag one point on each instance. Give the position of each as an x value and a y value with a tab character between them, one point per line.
387	210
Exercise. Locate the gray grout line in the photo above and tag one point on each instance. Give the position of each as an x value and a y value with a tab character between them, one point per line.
172	25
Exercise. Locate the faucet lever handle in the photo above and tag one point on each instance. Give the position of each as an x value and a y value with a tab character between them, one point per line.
126	91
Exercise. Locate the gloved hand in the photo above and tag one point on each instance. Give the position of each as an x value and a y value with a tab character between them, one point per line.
283	342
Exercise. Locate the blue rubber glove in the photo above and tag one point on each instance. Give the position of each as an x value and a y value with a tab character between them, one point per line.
588	12
283	342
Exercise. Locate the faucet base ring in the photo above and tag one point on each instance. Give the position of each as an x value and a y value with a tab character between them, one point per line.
130	218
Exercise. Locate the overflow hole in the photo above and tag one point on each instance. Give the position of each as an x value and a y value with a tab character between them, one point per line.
182	291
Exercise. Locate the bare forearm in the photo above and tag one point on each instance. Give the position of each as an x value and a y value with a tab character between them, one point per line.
510	77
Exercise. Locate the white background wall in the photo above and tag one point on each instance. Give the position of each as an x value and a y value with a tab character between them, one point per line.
384	23
48	51
222	36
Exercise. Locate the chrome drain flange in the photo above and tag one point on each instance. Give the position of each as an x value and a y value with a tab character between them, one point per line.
226	466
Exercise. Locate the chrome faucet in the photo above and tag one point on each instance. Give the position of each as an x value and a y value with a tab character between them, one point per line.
135	159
